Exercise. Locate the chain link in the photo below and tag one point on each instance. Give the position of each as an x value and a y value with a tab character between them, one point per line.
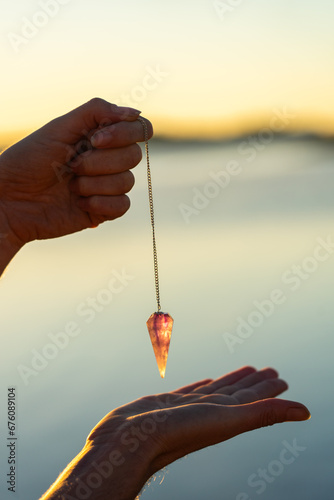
150	198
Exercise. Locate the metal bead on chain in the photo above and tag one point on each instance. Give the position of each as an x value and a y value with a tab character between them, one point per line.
150	197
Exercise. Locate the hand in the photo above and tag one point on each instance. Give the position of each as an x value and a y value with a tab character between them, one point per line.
134	441
63	178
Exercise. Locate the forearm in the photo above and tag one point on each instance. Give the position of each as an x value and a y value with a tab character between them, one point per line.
97	475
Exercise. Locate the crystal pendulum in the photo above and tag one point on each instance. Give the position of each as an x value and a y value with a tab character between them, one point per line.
159	324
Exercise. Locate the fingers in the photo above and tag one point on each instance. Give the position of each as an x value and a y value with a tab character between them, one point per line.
245	377
107	161
87	119
105	185
263	390
97	111
244	386
102	179
121	134
249	381
90	116
102	175
227	380
191	387
110	207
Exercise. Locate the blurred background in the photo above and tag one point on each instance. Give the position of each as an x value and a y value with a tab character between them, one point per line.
240	96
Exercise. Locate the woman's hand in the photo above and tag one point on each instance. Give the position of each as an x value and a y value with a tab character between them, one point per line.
71	174
134	441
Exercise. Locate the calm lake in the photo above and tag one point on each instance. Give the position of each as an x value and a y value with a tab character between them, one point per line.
236	222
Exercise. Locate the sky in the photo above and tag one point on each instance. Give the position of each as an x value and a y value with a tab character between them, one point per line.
197	68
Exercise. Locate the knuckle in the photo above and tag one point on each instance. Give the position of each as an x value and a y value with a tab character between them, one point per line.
268	417
135	154
150	129
79	165
93	203
96	102
80	185
113	107
129	181
124	204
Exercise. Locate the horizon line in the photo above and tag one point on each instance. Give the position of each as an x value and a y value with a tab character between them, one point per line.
169	129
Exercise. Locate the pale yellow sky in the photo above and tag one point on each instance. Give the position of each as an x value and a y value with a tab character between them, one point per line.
199	67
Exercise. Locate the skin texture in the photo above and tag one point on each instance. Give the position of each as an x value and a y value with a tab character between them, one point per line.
70	175
136	440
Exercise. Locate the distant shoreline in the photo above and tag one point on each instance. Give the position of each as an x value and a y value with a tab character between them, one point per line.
195	142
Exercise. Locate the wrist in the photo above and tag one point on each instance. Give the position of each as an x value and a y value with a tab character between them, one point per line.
97	474
9	243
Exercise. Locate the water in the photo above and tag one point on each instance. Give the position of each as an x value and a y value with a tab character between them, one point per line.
235	246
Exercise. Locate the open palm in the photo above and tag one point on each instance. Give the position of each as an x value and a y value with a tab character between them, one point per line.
134	441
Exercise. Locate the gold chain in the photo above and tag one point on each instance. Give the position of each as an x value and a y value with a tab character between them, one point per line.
150	198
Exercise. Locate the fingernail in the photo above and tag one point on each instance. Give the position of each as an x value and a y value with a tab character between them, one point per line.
130	111
298	413
97	139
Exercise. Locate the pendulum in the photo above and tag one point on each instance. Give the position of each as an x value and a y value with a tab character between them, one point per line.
159	327
159	324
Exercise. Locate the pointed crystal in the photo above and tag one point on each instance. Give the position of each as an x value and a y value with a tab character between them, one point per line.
159	327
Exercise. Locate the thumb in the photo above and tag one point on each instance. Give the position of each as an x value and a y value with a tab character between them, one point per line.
192	427
268	412
88	117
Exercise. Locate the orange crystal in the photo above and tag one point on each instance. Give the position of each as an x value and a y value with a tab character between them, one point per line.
159	327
